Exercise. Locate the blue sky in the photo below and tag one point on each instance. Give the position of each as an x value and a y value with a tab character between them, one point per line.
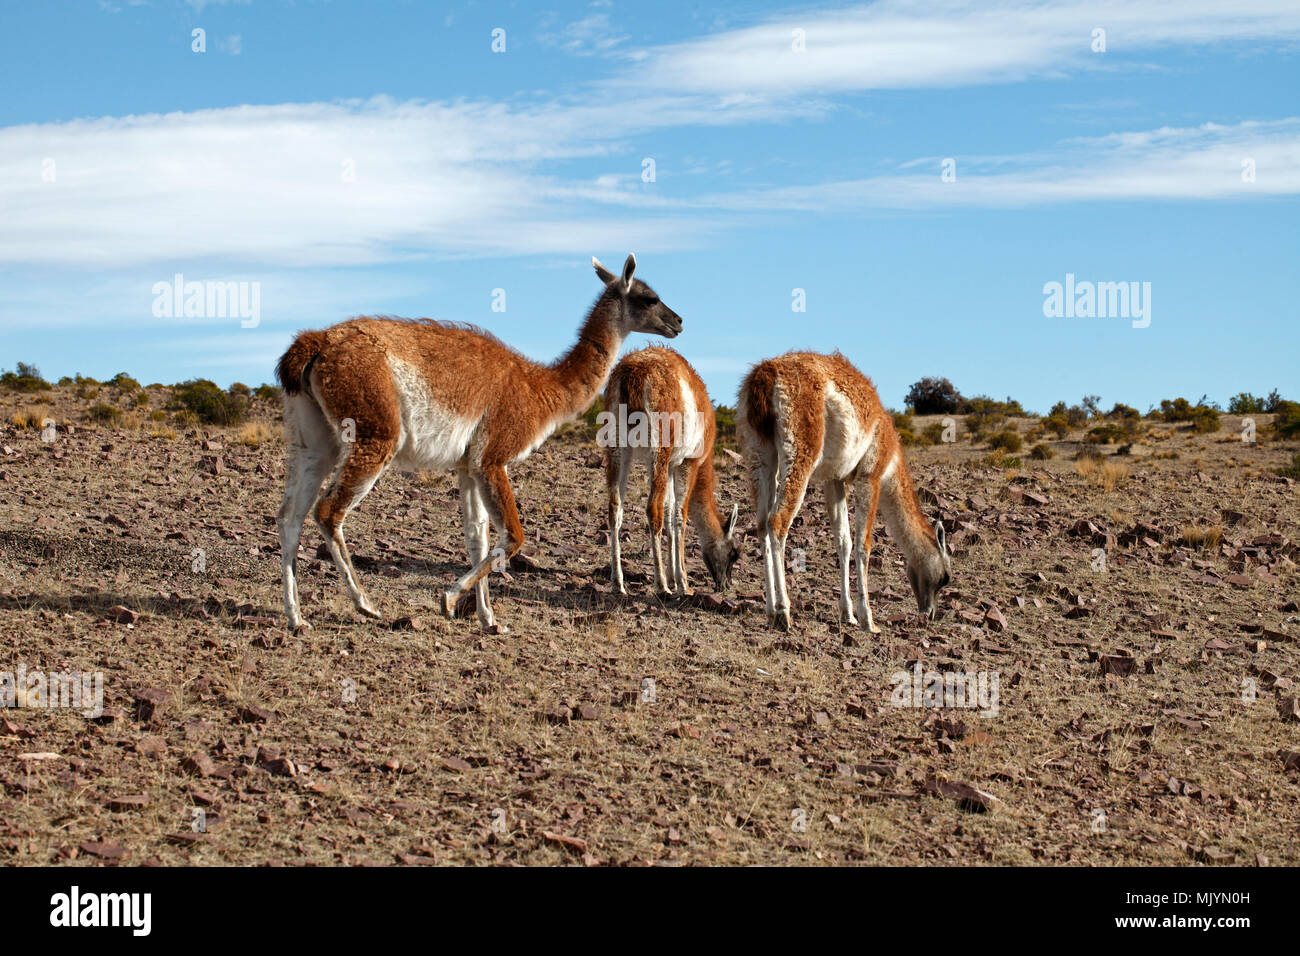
381	158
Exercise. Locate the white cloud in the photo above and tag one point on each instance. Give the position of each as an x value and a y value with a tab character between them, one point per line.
908	44
1201	163
590	36
269	184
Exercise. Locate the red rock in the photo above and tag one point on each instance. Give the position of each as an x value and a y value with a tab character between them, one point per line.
122	615
200	764
104	851
568	842
134	802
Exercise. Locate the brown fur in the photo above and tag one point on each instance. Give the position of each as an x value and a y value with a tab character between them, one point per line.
504	403
649	381
783	409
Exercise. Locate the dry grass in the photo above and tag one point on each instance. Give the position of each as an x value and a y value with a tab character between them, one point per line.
1202	537
1105	474
256	434
31	417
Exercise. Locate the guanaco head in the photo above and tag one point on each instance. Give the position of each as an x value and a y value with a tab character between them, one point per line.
930	573
721	554
642	309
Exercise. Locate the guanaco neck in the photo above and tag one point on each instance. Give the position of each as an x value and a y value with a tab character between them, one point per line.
581	372
903	515
704	504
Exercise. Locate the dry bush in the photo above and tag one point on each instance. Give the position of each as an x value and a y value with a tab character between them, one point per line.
255	434
1107	475
31	417
1202	537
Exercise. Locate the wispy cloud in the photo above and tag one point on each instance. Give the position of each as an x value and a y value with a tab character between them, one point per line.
910	44
593	35
1208	162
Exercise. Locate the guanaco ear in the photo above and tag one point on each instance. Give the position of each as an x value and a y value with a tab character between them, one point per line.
941	537
731	522
602	273
629	267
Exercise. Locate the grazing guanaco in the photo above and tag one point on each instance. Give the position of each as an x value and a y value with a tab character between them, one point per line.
422	395
808	417
657	410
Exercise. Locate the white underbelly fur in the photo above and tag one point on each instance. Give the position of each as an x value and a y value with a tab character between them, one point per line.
846	447
687	438
433	437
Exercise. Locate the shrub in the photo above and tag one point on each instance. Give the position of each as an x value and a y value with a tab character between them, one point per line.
1041	452
725	418
208	403
932	434
1245	403
1292	470
984	414
1074	415
104	414
1287	423
1105	435
25	378
1201	537
934	396
268	393
33	417
1203	418
1124	413
157	415
903	425
85	388
1057	422
1007	441
141	398
239	388
255	434
124	382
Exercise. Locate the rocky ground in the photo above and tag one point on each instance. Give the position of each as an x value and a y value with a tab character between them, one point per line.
1140	620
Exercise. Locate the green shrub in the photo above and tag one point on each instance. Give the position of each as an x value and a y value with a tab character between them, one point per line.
1005	441
1205	420
1245	403
1292	470
85	388
124	382
268	393
1106	434
725	418
1057	422
239	388
903	422
1041	452
1287	422
25	378
104	414
208	403
932	434
934	396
